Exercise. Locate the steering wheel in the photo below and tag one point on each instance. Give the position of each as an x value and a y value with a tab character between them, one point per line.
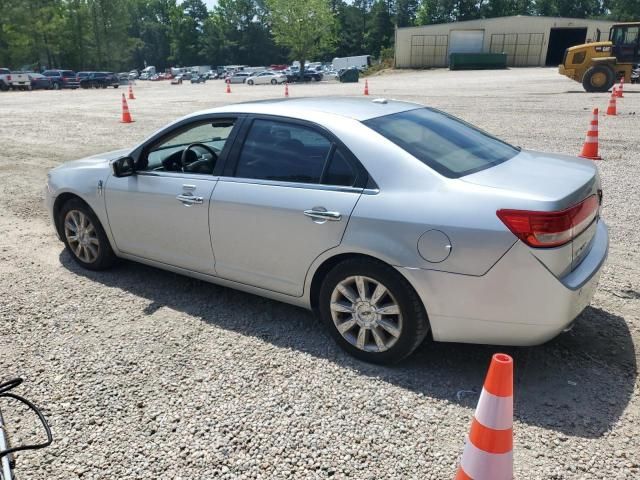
197	163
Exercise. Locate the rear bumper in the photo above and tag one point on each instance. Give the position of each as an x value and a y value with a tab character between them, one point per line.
518	302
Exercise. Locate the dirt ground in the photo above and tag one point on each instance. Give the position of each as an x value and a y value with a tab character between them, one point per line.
146	374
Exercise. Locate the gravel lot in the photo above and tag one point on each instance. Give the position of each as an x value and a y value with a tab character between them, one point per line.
144	374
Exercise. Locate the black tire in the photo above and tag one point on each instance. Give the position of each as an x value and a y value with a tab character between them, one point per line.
599	78
105	257
250	82
274	81
415	323
4	87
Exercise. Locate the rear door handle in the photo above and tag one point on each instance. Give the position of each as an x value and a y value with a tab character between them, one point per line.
323	215
190	199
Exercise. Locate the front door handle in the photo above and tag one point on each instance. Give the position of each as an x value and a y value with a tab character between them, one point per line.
189	200
323	215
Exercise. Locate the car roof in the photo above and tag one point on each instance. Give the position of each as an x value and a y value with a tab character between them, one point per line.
350	107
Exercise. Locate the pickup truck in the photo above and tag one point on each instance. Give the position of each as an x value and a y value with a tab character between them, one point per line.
14	80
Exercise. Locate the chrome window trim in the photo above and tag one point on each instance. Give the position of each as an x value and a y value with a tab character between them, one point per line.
201	176
308	186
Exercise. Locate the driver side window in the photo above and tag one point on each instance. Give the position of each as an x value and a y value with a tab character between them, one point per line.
193	149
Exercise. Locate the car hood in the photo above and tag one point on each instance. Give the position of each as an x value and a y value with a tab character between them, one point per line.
559	180
99	160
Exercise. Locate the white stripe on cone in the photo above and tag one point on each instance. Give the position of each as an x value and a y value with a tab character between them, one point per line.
495	412
481	465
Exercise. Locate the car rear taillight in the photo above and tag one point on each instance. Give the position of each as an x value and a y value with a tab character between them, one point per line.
551	229
8	78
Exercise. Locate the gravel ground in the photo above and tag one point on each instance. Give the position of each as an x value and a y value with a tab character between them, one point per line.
145	374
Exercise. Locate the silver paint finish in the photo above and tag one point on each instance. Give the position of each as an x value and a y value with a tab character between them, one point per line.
163	217
490	288
263	237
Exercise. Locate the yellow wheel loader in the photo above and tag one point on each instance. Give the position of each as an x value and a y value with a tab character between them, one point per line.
597	65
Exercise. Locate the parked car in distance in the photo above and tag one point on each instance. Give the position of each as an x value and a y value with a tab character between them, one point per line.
134	74
62	79
39	81
388	219
238	77
144	76
177	80
195	78
100	80
5	79
267	77
309	76
20	81
82	75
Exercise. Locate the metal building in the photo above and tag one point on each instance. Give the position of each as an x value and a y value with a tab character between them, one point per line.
527	40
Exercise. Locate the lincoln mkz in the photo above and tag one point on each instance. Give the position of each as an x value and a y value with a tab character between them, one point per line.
388	219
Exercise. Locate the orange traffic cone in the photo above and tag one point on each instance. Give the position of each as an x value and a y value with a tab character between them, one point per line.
228	87
619	92
366	87
126	116
488	450
590	146
286	89
611	109
131	97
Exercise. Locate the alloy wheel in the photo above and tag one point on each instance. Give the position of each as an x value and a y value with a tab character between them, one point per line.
81	236
366	314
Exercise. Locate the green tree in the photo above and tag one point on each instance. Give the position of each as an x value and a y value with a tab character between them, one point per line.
406	12
381	31
304	27
625	10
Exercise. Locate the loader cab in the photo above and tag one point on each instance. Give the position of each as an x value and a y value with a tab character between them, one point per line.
626	42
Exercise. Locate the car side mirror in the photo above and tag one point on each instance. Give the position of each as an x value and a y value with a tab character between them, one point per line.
123	167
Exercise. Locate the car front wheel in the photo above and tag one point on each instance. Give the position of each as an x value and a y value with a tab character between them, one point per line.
84	236
372	311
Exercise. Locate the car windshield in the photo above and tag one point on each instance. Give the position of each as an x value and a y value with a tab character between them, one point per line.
450	146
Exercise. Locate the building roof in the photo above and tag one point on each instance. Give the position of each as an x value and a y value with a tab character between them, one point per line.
511	17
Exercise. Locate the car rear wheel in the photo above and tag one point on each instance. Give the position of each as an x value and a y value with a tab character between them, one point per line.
372	311
599	78
250	82
273	81
84	236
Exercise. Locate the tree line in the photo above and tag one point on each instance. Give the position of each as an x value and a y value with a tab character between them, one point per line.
119	35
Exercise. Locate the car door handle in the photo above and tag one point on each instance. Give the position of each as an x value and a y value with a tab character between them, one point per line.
190	199
323	215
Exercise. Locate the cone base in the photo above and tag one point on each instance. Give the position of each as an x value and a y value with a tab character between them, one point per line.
591	158
127	121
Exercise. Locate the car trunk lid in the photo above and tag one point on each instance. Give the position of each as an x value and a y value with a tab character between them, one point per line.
547	190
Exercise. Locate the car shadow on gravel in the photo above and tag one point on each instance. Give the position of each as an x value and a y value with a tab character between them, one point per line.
578	384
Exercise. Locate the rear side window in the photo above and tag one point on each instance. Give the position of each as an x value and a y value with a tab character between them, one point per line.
68	73
284	152
448	145
340	171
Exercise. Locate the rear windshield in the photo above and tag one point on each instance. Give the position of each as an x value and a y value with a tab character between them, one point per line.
450	146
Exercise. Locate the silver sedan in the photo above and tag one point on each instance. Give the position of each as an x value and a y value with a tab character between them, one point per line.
388	219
